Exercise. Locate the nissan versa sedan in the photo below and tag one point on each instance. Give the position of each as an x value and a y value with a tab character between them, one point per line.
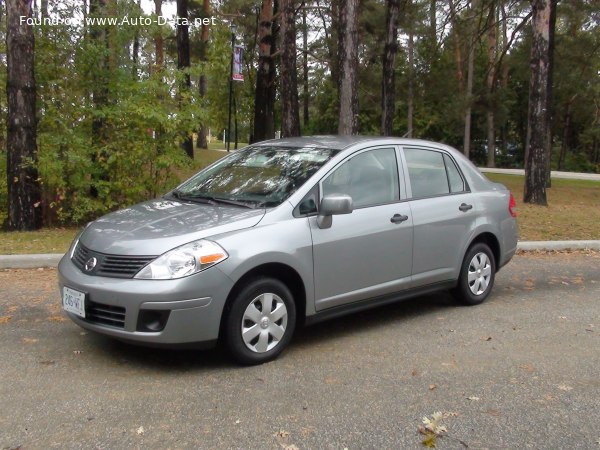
288	232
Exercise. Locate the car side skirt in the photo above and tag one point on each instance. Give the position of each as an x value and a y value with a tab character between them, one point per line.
369	303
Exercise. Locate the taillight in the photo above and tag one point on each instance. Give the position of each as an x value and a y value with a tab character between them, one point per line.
512	206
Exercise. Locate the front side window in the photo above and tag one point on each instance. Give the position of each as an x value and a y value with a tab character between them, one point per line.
370	178
257	176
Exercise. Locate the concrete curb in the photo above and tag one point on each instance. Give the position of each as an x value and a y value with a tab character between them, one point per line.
553	174
52	259
558	245
29	261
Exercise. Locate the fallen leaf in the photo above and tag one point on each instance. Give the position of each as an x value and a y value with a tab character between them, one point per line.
527	367
237	421
283	434
473	398
5	319
489	338
564	387
432	387
562	317
140	430
56	319
78	352
29	341
430	440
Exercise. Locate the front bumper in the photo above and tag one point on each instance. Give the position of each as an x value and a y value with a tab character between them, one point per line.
191	307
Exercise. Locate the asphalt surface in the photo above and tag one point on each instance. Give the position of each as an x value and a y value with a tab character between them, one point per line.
519	371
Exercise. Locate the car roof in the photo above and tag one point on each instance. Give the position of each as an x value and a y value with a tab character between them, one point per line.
332	142
343	142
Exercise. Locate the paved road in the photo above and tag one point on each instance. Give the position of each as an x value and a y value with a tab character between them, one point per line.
520	371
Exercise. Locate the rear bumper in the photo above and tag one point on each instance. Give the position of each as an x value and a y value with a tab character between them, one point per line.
190	307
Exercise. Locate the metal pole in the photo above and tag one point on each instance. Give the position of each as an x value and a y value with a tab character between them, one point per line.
230	92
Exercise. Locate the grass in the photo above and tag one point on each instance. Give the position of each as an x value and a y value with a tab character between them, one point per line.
573	213
46	240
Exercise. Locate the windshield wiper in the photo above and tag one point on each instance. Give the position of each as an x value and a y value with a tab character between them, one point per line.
211	200
192	198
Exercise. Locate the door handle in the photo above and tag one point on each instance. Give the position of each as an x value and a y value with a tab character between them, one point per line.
464	207
398	218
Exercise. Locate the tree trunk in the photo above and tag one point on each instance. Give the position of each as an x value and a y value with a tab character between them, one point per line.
538	112
330	30
433	22
550	91
468	96
264	98
458	58
158	39
290	118
183	63
411	81
136	46
44	8
388	88
492	44
305	93
347	67
201	142
99	37
566	140
24	193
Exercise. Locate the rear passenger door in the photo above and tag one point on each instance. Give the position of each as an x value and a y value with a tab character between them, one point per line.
443	211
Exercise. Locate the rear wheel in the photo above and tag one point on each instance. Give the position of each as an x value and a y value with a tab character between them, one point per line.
261	321
477	275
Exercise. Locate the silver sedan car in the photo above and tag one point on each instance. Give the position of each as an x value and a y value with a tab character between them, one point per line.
289	232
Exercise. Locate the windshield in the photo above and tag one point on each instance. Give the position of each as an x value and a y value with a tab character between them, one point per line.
257	176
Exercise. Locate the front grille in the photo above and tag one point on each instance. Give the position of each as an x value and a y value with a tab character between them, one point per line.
116	266
101	314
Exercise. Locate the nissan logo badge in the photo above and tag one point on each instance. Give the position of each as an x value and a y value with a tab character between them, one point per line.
90	264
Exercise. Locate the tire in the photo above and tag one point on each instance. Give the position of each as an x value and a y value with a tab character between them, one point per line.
477	275
252	335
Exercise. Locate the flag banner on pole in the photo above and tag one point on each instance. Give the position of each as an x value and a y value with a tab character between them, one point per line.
238	54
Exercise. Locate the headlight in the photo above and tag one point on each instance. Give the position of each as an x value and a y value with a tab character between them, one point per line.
183	261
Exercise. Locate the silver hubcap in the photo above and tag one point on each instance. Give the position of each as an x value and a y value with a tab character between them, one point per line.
480	271
264	323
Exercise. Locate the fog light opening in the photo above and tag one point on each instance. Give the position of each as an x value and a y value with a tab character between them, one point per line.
152	320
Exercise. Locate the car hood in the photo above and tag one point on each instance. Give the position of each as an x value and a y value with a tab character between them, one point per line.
156	226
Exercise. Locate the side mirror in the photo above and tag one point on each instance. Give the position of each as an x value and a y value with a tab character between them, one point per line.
333	204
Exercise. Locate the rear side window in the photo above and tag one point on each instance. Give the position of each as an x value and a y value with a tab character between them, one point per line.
457	184
432	173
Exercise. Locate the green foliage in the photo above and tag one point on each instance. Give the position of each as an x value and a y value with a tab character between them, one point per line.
137	154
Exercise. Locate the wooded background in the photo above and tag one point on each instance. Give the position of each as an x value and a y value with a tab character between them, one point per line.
95	117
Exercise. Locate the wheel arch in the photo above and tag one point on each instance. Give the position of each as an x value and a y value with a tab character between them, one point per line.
282	272
490	239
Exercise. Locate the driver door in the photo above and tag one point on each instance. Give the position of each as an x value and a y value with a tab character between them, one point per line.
367	253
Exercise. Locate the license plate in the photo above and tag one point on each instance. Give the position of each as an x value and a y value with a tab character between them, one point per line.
74	301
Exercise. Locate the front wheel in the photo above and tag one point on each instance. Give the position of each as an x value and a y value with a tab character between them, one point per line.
477	275
260	322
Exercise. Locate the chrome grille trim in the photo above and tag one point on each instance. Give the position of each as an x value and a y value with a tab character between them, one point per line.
115	266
